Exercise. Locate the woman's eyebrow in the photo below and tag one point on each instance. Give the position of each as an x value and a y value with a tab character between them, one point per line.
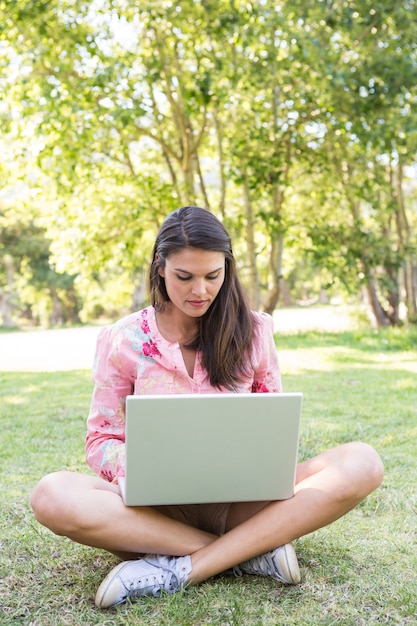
178	269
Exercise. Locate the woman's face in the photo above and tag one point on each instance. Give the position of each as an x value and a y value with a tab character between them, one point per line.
193	278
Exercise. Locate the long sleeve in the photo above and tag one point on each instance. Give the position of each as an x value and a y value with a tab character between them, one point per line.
114	374
267	375
131	358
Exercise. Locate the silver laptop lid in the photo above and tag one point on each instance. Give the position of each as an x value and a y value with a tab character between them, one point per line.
183	449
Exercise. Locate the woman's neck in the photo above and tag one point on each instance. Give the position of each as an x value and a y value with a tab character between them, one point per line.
176	327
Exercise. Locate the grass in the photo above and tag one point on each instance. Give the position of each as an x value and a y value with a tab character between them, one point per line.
358	571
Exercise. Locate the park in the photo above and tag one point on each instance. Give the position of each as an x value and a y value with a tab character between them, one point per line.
360	570
294	124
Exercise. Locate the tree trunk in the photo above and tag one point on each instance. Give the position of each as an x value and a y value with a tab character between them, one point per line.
6	294
275	264
139	291
253	287
220	153
380	315
405	235
56	316
6	309
413	304
203	189
393	297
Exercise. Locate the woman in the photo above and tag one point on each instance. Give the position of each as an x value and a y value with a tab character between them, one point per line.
197	336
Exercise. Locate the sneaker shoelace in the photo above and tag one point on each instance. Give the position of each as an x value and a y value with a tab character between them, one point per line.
262	565
167	580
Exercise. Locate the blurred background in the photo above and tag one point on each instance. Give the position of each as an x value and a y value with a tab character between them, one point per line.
295	122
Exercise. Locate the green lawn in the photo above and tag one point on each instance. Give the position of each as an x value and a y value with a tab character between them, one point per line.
359	571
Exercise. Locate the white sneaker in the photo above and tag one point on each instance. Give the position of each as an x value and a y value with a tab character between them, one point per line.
280	564
143	577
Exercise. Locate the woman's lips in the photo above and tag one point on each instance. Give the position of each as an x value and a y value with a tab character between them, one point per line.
197	303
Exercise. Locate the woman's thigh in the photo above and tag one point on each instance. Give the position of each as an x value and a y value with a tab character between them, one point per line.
352	466
57	495
66	481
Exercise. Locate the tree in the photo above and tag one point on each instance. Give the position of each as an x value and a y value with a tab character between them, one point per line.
24	256
293	121
363	114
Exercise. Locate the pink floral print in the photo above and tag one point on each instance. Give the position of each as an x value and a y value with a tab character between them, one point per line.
132	357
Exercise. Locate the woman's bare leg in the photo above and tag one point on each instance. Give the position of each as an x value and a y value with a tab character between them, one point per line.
328	486
90	511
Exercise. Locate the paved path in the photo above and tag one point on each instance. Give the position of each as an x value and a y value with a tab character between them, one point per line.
48	350
73	348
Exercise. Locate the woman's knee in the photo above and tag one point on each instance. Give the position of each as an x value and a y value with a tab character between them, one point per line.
362	467
52	502
352	471
374	464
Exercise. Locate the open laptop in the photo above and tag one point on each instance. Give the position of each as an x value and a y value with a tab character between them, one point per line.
201	448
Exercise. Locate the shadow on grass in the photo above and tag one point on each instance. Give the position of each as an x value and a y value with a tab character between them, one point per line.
345	576
350	569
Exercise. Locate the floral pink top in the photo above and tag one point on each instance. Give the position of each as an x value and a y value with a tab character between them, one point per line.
132	357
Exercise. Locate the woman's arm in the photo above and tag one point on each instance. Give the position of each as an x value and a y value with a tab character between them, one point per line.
267	375
114	374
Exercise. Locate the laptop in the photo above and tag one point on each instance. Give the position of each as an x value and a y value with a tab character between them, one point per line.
202	448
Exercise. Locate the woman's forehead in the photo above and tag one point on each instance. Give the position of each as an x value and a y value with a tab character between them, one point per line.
197	258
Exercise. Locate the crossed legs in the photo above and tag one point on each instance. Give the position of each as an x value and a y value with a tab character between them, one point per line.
90	511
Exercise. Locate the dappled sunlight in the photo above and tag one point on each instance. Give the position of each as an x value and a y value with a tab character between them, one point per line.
407	384
370	398
292	362
338	358
14	400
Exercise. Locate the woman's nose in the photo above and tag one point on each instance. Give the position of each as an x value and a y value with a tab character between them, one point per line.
199	286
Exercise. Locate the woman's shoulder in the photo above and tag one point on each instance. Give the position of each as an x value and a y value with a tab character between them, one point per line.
137	320
263	320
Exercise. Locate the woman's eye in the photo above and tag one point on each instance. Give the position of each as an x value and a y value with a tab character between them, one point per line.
184	278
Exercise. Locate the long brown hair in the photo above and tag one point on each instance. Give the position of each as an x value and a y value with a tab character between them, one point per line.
226	330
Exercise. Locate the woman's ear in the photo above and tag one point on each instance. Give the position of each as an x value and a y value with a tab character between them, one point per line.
160	269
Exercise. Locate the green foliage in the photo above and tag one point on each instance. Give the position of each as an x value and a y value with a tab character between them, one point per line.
115	113
27	278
